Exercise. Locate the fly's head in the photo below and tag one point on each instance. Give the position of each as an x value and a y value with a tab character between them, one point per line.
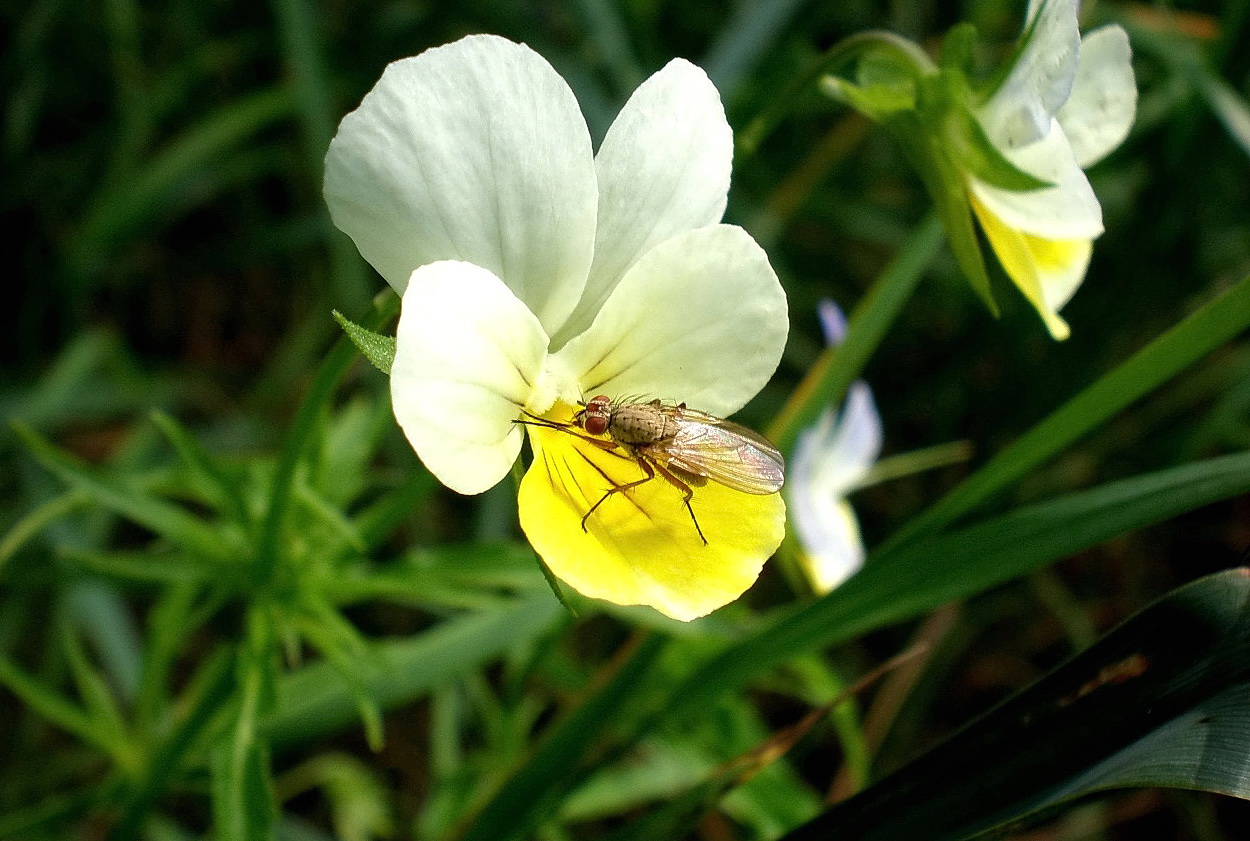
596	415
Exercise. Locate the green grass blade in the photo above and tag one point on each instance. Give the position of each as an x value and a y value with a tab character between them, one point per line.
826	383
533	792
208	478
50	705
301	43
1228	106
243	800
209	692
605	24
25	529
299	438
1157	363
902	583
748	35
169	521
137	201
314	700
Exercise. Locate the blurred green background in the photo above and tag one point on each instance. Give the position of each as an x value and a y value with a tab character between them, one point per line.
162	172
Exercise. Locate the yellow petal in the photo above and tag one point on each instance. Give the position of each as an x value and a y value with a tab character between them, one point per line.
641	546
1047	271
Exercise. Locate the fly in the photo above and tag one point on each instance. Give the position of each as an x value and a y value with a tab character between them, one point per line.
684	447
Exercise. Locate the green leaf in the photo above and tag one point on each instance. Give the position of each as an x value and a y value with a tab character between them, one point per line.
959	48
1167	356
218	489
169	521
900	583
50	705
378	349
947	185
533	792
315	700
1162	700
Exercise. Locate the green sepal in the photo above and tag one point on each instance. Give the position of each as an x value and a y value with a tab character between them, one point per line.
947	185
877	103
959	48
887	70
378	349
944	104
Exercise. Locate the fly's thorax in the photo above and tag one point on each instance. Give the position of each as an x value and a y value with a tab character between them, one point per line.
640	423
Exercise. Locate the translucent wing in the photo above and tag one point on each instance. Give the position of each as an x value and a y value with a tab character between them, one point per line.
724	452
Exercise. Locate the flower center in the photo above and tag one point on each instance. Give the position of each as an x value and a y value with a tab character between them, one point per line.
554	383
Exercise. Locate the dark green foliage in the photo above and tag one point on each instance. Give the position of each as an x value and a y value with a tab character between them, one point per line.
234	605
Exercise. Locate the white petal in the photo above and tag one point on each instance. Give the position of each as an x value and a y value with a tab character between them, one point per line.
1099	113
663	168
833	550
1067	210
853	449
700	318
834	455
473	151
469	355
1047	271
1020	110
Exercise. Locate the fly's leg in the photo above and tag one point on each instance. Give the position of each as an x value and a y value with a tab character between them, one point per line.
652	469
645	464
687	494
648	465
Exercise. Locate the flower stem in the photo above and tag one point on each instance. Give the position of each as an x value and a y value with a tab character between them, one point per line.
827	381
834	59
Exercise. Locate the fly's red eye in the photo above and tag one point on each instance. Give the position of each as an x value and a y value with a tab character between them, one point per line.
595	424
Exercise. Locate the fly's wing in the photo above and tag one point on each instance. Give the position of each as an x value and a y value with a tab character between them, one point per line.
724	452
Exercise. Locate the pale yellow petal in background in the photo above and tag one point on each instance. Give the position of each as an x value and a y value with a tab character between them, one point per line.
641	546
1047	271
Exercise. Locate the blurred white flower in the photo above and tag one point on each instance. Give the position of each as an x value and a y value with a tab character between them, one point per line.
832	458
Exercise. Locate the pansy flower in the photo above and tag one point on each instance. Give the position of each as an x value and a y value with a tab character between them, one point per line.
536	273
1066	103
1011	154
832	458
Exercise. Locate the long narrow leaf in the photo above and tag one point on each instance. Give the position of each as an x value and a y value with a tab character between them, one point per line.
533	792
1157	363
903	583
169	521
1163	700
51	706
315	701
